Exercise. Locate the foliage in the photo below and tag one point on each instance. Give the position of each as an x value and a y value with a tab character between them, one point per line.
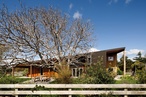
119	72
140	58
95	74
12	80
142	76
127	80
129	62
1	71
64	74
4	70
25	72
137	66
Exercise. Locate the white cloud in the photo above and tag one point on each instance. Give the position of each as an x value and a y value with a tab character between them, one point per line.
70	6
93	50
116	1
127	1
77	15
131	53
134	51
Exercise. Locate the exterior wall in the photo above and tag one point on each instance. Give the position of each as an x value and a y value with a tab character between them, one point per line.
104	58
36	71
99	57
111	60
108	58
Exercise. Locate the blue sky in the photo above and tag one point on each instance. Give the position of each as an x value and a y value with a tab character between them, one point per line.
117	23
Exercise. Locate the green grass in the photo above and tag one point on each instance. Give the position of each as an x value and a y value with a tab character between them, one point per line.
127	80
12	80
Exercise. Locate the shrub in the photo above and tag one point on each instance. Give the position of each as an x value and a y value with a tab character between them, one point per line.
142	76
95	74
119	72
64	74
11	80
127	80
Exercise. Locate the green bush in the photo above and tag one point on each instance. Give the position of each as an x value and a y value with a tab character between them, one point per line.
25	72
95	74
119	72
11	80
127	80
142	76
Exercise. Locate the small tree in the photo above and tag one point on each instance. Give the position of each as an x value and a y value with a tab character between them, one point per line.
129	62
142	76
136	66
140	58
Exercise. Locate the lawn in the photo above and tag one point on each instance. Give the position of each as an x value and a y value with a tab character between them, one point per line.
127	80
12	80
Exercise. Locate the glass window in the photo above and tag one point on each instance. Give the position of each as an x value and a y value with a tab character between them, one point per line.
76	72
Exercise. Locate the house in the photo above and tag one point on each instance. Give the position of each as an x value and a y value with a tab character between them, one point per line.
108	59
37	68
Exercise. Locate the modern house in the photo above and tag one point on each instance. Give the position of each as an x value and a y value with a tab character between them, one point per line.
108	59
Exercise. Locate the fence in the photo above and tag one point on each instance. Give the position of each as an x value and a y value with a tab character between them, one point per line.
73	89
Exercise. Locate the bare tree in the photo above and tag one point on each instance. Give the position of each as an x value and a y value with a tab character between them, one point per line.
43	33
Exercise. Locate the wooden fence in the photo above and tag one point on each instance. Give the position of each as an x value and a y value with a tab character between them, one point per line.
72	89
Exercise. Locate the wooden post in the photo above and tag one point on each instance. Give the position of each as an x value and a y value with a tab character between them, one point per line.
13	69
124	55
69	95
31	71
75	72
125	93
16	90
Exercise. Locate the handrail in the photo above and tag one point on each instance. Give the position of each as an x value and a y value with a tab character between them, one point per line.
73	89
74	85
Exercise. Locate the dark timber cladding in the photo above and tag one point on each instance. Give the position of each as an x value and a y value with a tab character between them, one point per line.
108	58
